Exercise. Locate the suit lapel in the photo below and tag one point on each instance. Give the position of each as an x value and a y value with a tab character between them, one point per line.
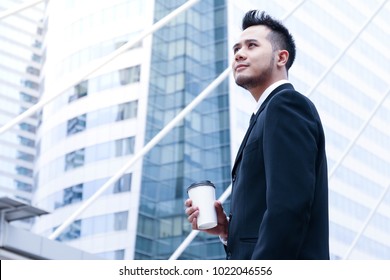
252	124
243	143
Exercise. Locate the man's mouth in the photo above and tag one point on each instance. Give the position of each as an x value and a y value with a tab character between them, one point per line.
240	67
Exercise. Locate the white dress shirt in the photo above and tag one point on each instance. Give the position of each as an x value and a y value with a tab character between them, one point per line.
267	92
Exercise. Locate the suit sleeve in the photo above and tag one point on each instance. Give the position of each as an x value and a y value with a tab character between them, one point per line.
290	151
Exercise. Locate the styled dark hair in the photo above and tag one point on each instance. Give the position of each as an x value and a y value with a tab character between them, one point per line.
280	37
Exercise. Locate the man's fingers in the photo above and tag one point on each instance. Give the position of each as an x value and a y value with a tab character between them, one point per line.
188	203
191	210
193	219
218	207
195	223
192	213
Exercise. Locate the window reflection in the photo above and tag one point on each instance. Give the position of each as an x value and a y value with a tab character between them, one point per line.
73	194
72	232
95	225
80	90
113	79
78	158
97	118
129	75
78	192
76	125
74	159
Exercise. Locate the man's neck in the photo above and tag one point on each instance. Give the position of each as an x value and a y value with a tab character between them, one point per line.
267	92
256	92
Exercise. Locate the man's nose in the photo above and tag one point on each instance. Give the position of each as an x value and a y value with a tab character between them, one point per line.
239	55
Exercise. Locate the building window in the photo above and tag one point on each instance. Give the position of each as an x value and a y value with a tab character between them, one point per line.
124	146
76	124
74	159
130	75
120	221
33	71
27	127
80	91
31	84
127	110
123	184
95	225
24	171
71	233
73	194
25	156
36	58
146	226
76	193
23	186
144	247
28	98
26	142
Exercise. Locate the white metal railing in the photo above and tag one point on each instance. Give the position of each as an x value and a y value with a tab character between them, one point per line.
19	8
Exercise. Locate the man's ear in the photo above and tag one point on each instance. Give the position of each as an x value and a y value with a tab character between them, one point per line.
282	57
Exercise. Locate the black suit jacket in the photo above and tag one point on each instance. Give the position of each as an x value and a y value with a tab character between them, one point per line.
279	201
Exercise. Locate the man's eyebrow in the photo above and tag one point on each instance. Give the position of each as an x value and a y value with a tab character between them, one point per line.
236	45
246	42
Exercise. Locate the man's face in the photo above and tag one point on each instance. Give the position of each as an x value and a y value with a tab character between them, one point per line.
254	59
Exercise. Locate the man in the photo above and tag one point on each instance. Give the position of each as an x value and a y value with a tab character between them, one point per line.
279	200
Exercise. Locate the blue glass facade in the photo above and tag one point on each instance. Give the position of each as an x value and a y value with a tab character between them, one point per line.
187	55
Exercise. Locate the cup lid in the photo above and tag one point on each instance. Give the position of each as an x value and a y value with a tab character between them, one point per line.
201	183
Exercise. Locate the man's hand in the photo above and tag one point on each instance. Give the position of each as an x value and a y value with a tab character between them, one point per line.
220	229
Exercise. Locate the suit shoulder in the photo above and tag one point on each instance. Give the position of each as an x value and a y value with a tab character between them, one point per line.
290	94
292	100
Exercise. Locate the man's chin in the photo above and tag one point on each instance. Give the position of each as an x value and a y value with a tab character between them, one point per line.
242	82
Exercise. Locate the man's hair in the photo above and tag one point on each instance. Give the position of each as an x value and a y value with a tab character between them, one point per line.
280	37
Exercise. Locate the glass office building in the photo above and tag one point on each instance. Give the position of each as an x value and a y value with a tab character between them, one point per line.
20	66
187	55
101	121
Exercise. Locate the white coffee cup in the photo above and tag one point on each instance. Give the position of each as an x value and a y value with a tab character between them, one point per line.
202	195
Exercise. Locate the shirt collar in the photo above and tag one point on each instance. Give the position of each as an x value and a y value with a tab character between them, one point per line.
267	92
